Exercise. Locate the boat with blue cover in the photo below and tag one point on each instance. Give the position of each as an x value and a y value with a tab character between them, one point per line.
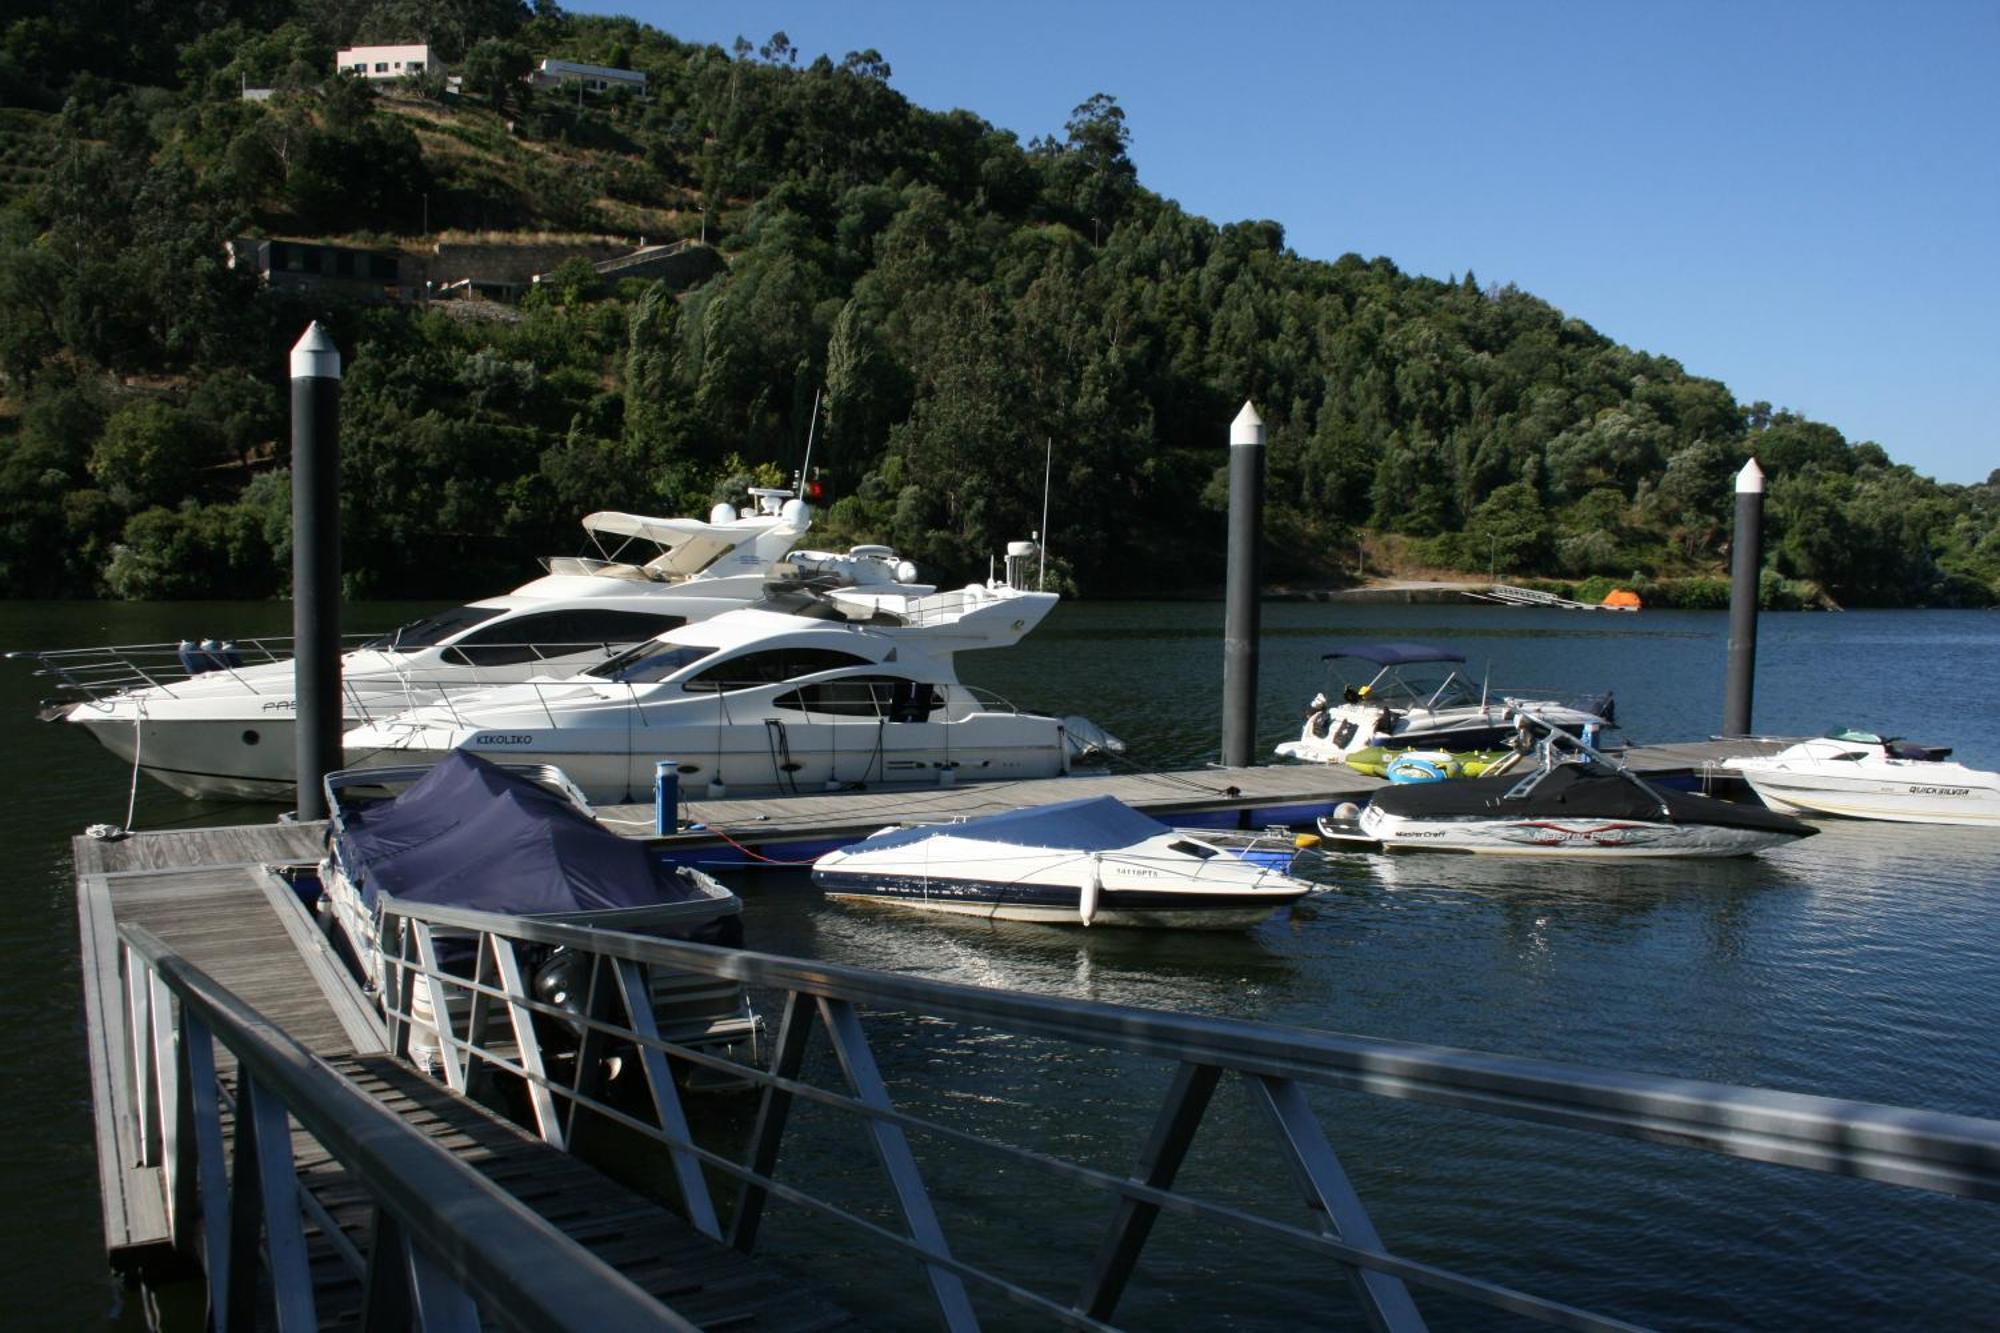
1088	862
521	842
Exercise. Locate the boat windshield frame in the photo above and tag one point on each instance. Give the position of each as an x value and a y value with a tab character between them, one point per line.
657	661
431	631
1394	686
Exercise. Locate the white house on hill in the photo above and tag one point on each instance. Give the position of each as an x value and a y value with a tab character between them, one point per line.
384	62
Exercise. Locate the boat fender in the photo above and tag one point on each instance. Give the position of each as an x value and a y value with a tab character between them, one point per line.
1306	841
1087	896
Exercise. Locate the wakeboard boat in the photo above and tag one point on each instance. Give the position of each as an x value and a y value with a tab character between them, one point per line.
807	691
1861	775
1412	696
1566	799
217	721
1090	862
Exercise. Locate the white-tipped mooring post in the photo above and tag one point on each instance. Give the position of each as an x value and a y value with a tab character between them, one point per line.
1244	584
1746	562
318	721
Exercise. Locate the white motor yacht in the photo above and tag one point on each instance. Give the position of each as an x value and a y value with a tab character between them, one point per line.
1860	775
1418	697
217	722
803	693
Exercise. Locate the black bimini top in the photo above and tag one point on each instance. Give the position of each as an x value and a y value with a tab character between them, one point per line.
1573	791
1395	654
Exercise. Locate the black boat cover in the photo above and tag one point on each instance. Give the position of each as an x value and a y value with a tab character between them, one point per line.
471	834
1094	824
1572	791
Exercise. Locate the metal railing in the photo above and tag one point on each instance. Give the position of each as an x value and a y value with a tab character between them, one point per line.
446	1247
1275	1065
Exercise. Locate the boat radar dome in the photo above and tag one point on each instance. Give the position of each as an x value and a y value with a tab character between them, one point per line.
906	571
722	513
798	514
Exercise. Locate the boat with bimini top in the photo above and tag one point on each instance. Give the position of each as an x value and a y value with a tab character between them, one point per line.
1413	696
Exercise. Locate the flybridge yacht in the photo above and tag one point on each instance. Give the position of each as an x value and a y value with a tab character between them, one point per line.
802	693
217	721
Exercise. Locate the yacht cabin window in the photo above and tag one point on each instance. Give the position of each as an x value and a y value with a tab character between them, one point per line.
896	698
773	666
546	634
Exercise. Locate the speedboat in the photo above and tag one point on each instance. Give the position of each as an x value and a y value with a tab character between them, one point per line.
805	692
1089	862
1570	800
217	721
1862	775
522	842
1411	696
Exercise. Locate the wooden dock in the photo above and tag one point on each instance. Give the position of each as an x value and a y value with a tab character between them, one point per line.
213	896
785	829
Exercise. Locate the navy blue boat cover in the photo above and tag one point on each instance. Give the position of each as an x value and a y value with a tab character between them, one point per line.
471	834
1395	654
1094	824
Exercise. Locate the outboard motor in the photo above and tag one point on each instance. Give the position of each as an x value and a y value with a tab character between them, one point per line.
563	982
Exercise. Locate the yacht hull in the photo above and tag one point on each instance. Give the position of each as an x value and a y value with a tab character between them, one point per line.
614	765
244	760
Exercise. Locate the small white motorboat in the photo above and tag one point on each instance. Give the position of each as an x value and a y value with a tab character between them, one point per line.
1860	775
1089	862
1571	801
1410	695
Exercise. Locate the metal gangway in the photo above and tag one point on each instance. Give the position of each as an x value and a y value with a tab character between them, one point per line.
492	1031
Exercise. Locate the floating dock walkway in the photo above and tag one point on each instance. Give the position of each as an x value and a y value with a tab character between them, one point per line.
788	829
212	898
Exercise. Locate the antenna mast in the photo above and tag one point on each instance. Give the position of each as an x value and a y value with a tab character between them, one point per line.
812	426
1048	471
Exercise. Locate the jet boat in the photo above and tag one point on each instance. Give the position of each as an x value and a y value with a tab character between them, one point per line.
1418	697
1862	775
1090	862
1570	800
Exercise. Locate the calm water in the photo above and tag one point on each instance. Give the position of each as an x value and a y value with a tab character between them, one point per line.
1858	964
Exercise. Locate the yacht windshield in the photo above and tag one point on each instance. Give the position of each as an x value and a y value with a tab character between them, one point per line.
643	663
433	630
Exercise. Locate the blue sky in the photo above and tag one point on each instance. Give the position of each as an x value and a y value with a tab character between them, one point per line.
1800	200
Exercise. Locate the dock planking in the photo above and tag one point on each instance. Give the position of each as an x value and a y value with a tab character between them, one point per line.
212	894
1242	797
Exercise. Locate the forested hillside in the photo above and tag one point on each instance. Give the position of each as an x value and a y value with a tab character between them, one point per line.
957	298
